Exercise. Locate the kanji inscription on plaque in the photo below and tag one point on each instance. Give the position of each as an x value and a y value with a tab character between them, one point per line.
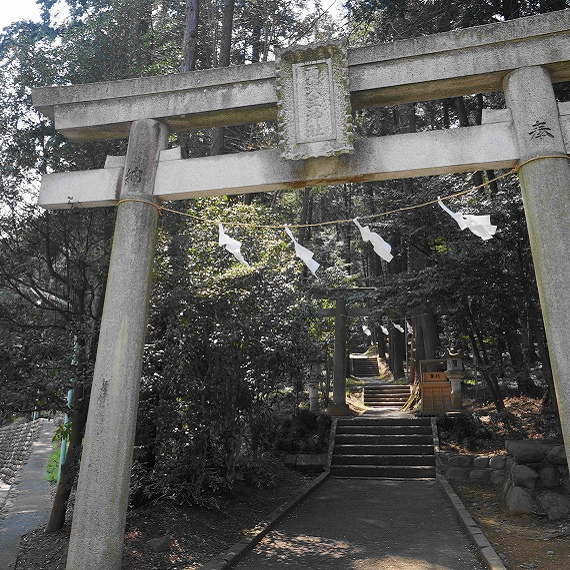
314	112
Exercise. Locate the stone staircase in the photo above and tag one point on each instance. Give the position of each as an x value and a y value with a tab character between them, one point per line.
387	447
363	366
386	395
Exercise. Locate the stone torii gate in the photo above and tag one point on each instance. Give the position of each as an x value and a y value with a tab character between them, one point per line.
341	313
522	57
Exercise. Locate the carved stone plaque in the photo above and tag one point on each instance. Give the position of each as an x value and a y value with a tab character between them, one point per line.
313	101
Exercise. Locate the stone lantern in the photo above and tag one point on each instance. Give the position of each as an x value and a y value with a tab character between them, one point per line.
455	374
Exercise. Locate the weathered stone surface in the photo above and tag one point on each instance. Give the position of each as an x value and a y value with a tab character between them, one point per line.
549	477
565	485
161	543
459	62
526	451
15	443
557	455
480	474
481	462
375	158
103	486
460	461
530	97
508	482
520	502
557	506
498	462
523	476
457	473
498	477
313	101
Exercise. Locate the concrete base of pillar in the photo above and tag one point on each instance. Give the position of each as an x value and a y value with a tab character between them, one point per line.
338	410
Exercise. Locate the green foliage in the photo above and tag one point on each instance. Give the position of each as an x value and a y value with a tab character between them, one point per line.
466	428
304	432
52	466
226	343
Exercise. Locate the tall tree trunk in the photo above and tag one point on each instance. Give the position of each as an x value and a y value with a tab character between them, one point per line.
550	397
70	467
190	41
531	355
463	118
305	218
217	134
420	347
478	119
536	325
189	48
397	353
346	229
489	380
428	326
413	358
522	374
481	356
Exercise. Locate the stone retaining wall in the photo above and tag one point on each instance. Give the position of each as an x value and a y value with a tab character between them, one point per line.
15	444
481	468
533	474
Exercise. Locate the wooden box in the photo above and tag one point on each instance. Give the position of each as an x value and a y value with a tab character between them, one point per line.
436	397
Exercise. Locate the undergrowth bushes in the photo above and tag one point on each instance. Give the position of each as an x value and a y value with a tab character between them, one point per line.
304	432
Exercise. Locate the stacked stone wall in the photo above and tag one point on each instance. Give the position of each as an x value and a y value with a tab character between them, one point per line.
533	475
15	446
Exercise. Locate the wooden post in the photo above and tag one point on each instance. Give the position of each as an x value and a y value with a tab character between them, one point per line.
97	533
545	183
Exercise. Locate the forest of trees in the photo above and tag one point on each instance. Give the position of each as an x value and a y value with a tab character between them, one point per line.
228	346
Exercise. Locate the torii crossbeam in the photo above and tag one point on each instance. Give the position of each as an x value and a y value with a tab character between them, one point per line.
522	57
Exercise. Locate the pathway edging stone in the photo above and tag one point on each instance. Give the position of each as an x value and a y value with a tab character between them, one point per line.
484	547
238	550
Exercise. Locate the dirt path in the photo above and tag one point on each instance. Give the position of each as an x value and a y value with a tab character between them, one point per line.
366	524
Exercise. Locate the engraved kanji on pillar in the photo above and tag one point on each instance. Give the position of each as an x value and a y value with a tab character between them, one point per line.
314	112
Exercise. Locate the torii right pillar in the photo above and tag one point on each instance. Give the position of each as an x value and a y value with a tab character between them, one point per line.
545	181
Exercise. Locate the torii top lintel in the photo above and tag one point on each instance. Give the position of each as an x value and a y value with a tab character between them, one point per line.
460	62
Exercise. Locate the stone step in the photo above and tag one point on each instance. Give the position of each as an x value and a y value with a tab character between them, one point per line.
382	393
380	449
366	439
359	459
391	398
386	387
387	396
385	471
385	384
365	367
381	430
408	421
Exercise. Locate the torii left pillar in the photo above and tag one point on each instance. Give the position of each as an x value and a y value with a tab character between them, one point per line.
98	529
